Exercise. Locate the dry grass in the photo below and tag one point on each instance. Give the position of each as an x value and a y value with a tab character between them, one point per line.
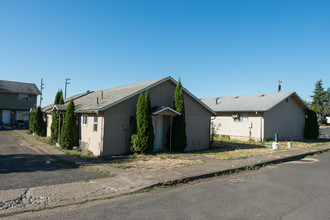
159	162
147	162
232	149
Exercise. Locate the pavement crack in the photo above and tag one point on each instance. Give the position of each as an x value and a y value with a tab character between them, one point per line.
103	189
302	205
19	202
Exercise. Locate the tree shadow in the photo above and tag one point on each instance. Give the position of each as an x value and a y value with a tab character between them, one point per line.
13	163
229	145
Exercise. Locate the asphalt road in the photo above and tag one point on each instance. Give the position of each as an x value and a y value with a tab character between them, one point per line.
325	130
23	167
287	191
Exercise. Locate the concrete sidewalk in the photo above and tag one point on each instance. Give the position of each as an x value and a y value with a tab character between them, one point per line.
125	181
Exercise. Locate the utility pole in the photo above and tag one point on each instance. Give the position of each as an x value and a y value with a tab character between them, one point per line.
279	86
41	87
66	83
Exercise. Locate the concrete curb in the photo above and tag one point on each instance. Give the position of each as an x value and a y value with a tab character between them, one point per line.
234	170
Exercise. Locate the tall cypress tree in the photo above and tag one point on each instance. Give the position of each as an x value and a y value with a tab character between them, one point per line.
143	140
319	100
61	100
69	137
54	128
39	123
137	138
149	127
179	137
31	122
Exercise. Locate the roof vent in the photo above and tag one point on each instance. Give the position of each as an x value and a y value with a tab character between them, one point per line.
236	97
97	100
262	95
102	94
217	101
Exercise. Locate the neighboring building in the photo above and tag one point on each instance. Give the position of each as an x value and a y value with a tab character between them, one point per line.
16	99
259	117
106	117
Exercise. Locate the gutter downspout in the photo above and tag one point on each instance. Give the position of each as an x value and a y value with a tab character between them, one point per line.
102	135
171	121
59	128
261	139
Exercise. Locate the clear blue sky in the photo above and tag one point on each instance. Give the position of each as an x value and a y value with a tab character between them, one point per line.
217	48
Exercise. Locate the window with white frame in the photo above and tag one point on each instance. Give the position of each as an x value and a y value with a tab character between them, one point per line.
84	120
95	123
22	115
244	117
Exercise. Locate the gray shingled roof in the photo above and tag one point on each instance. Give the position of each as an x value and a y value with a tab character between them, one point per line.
250	103
18	87
104	99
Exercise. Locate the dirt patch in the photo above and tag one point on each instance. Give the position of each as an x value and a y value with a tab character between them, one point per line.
156	163
152	162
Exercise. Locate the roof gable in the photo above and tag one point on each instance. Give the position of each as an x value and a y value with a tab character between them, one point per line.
250	103
18	87
105	99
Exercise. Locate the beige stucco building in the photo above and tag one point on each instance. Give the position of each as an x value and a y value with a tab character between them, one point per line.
259	117
106	117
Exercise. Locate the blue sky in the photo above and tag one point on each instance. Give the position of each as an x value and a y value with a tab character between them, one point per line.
217	48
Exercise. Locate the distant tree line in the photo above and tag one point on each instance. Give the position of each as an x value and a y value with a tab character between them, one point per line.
319	109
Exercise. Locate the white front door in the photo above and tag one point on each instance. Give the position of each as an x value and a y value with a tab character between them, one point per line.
157	122
6	116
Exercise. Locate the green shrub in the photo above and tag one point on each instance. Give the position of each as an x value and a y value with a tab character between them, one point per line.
135	143
311	126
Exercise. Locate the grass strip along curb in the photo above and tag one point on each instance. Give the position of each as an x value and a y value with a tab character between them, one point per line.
256	166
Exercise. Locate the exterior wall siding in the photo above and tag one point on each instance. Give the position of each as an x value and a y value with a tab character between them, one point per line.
11	102
287	119
251	129
117	127
87	134
49	123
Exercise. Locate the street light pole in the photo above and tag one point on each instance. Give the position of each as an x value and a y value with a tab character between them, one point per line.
66	83
41	87
279	86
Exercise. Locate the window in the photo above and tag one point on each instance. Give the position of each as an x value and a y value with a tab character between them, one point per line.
24	97
84	120
22	115
131	120
244	117
95	123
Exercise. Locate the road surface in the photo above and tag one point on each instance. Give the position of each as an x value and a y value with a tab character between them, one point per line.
23	167
298	190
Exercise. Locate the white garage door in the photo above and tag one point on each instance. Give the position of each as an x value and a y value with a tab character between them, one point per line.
6	116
